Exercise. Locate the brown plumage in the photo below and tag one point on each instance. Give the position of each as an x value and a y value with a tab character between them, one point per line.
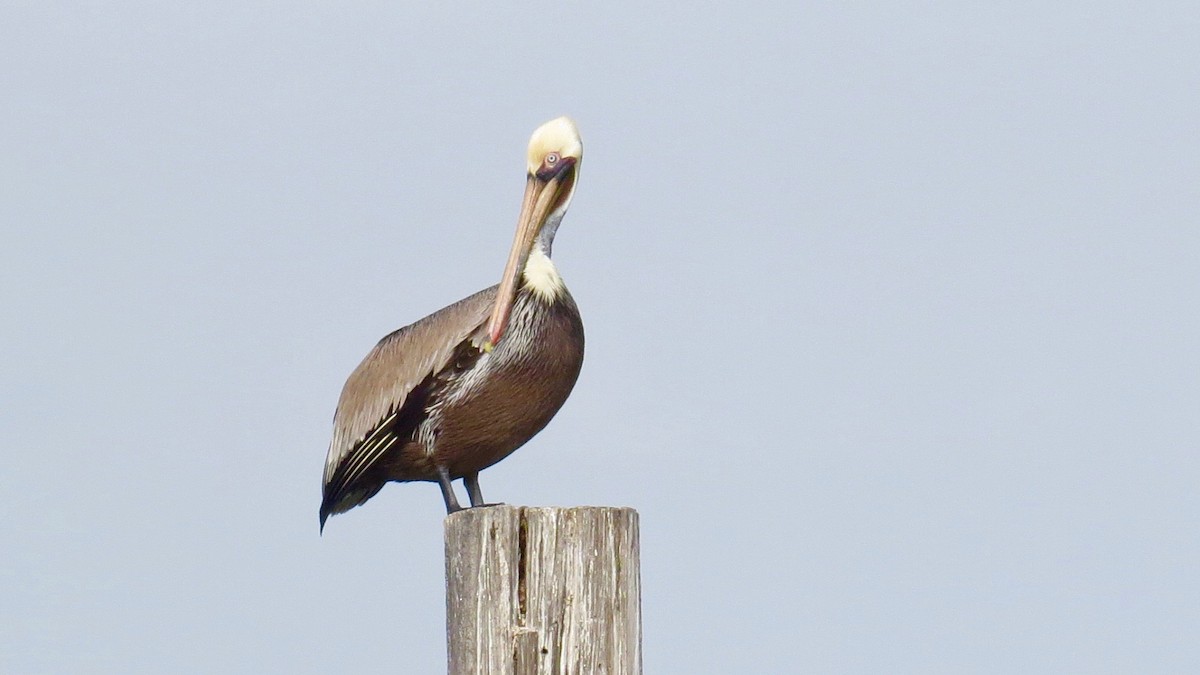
461	389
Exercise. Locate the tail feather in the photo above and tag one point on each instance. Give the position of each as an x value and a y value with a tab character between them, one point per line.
338	501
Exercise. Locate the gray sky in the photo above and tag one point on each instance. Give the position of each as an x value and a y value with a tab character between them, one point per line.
891	317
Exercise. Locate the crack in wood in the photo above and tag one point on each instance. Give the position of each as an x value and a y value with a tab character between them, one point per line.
522	569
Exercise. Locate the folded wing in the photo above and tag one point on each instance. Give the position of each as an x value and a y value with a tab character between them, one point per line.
375	395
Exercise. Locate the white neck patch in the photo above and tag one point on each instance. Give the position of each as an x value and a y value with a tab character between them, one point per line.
541	276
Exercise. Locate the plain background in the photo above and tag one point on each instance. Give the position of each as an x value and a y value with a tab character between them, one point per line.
891	317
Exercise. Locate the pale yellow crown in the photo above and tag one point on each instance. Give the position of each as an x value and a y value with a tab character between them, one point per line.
558	135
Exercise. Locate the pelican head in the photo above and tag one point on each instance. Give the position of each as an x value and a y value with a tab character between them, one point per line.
555	153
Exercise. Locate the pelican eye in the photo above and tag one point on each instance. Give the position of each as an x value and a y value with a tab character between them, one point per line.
553	164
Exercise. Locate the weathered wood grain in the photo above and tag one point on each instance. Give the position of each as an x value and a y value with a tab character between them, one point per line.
540	591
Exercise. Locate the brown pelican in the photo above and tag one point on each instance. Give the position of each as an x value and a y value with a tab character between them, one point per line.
461	389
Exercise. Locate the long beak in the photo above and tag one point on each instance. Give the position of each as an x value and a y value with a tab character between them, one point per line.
535	208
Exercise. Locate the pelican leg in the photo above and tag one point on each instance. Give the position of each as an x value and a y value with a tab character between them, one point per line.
471	480
448	490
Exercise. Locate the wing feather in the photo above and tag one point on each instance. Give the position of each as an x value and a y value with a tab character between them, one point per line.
379	386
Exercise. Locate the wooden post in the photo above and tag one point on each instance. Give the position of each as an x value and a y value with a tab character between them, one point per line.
541	591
